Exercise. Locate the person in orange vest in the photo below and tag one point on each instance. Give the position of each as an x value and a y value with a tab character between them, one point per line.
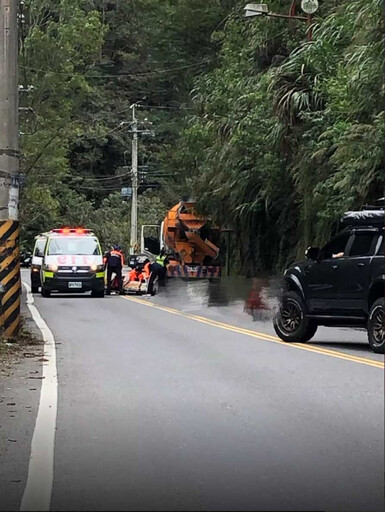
115	261
147	270
136	274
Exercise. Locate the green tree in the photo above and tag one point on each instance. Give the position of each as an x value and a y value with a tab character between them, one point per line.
287	134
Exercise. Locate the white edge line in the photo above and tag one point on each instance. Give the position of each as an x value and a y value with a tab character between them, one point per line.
38	489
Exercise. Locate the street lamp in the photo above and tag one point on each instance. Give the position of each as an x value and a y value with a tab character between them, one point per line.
256	10
308	6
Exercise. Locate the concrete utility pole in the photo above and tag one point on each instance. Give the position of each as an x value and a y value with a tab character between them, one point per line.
134	170
9	129
10	284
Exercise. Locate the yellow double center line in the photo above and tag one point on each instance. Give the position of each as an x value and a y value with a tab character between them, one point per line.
261	335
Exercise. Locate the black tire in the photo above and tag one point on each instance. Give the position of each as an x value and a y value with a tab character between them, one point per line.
376	327
97	293
45	293
291	322
34	289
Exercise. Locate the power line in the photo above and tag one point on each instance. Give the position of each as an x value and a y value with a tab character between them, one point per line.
86	178
115	177
150	174
104	189
161	107
129	75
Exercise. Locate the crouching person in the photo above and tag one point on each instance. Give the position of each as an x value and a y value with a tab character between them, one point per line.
153	271
136	274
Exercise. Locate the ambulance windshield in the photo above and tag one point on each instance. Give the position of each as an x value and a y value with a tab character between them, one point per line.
73	246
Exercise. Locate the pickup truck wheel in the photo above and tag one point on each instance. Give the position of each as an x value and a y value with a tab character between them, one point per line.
291	322
376	327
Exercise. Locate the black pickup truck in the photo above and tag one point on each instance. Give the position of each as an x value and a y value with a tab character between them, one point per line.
341	284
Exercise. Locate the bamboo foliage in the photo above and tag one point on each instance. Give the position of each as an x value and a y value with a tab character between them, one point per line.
290	132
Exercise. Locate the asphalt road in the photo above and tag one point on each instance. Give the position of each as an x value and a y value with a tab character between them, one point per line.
160	410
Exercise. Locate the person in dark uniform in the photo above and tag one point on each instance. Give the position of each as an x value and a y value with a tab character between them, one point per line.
114	261
162	260
155	270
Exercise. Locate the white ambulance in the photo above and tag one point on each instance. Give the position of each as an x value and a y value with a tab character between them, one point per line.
72	263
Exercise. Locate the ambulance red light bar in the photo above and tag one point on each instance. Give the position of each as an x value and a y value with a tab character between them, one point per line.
68	231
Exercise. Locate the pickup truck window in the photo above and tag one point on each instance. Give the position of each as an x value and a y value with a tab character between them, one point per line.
362	244
335	246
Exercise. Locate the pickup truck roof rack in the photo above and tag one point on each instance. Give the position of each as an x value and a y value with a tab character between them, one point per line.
367	217
377	205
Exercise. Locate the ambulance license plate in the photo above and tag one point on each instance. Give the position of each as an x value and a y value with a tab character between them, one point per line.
74	285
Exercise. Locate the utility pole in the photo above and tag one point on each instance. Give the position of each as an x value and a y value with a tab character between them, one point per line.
134	244
134	170
10	284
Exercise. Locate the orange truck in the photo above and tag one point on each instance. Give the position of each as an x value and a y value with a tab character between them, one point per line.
191	242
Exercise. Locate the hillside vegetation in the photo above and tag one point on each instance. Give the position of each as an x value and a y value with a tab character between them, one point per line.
274	135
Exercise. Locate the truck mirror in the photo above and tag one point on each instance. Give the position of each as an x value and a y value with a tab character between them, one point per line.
312	253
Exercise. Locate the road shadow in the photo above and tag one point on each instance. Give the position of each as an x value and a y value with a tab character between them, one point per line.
74	296
359	347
